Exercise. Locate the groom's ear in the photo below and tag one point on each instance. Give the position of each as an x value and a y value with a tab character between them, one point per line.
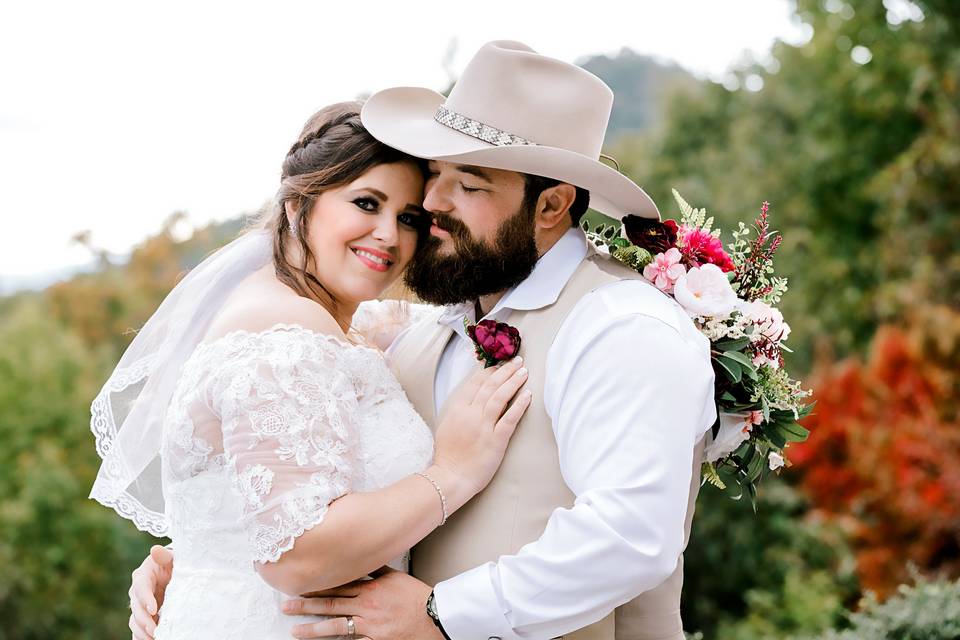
553	206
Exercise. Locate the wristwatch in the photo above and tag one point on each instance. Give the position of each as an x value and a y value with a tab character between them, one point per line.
432	612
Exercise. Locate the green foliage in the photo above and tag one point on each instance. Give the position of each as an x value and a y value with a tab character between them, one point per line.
764	575
925	611
64	560
859	162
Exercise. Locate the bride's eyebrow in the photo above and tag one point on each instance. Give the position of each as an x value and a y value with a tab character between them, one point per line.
376	192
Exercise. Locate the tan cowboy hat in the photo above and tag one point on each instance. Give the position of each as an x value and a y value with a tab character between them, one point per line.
517	110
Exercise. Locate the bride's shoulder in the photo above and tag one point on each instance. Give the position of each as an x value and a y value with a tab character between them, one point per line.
258	308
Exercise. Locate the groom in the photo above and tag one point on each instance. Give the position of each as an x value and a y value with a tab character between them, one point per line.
581	531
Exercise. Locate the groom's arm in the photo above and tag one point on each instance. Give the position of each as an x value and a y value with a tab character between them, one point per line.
628	404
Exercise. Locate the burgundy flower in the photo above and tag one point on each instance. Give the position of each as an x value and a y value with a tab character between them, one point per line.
493	341
652	235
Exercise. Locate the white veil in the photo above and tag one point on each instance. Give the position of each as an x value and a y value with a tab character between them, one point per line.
128	413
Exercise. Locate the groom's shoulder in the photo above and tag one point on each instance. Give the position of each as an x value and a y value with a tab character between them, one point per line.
635	298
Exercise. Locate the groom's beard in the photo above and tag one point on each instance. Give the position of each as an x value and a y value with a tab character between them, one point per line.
475	268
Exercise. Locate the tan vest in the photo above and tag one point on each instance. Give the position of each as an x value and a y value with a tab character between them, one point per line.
513	510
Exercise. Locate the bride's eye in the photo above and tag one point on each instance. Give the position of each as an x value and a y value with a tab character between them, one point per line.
367	204
412	220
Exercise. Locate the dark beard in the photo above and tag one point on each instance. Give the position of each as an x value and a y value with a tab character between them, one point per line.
474	268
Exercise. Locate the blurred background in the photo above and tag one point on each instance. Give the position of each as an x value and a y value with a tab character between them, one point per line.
134	139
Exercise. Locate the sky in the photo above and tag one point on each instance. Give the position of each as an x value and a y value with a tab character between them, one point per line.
114	115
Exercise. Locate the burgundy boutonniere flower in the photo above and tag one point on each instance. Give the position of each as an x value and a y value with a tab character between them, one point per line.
652	235
494	341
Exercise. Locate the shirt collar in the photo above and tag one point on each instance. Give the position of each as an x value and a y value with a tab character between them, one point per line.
540	289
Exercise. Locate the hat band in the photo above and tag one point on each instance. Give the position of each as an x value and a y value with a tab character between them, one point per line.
477	129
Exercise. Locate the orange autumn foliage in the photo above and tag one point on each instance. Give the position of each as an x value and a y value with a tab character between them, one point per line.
883	457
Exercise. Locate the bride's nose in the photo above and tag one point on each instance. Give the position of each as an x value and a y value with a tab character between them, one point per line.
386	230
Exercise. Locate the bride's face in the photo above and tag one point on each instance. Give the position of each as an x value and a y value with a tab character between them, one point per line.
363	234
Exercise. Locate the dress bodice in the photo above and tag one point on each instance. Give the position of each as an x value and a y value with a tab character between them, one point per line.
264	431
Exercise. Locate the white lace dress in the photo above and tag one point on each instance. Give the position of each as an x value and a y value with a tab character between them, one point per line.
264	431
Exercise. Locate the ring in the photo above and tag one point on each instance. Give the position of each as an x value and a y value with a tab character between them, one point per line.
351	628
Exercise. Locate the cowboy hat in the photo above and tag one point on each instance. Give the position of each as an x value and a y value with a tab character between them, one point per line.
517	110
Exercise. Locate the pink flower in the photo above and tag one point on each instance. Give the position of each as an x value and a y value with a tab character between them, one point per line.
700	247
768	320
665	269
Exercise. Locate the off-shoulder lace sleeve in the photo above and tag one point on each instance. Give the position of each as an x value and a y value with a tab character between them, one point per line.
381	321
287	411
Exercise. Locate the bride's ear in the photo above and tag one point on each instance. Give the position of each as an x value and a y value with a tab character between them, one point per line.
290	209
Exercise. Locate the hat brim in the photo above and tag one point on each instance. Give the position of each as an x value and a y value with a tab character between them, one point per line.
403	118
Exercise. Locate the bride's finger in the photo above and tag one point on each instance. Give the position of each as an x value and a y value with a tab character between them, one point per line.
349	590
472	384
501	374
511	418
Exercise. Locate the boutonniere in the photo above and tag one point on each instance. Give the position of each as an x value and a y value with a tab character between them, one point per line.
494	341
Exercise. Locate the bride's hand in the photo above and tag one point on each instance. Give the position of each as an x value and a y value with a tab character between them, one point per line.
476	427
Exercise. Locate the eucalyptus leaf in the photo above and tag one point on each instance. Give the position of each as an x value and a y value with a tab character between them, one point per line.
731	368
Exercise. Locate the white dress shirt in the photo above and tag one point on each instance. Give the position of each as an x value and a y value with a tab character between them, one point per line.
629	389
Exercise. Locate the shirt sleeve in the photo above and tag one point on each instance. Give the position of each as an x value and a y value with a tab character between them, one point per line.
629	402
287	415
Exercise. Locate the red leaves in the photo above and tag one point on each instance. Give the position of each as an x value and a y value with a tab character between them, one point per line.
885	449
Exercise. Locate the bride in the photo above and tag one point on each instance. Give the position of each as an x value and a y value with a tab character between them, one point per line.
250	423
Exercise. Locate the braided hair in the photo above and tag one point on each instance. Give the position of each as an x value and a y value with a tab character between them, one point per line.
333	149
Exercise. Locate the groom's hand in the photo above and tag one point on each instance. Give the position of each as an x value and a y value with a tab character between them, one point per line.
147	588
392	606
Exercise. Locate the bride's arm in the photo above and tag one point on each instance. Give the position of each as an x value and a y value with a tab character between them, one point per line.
288	424
361	532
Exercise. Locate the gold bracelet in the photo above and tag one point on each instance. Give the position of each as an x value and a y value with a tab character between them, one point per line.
443	498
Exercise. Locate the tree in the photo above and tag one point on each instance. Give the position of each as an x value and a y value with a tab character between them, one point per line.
882	455
854	139
64	560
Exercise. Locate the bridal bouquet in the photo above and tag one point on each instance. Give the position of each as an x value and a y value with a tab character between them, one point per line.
732	295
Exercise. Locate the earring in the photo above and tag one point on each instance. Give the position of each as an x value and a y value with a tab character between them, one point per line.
293	231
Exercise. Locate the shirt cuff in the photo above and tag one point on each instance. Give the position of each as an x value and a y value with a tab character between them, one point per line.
469	608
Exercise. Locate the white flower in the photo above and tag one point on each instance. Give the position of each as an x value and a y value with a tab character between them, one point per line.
705	291
768	320
776	460
734	430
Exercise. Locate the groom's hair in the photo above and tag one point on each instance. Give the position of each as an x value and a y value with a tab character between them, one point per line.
535	185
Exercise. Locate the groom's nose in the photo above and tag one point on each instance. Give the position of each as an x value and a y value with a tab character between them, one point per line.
436	198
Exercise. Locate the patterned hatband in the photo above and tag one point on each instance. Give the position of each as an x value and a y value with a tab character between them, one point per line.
477	129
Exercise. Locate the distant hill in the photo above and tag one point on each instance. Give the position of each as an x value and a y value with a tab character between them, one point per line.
641	85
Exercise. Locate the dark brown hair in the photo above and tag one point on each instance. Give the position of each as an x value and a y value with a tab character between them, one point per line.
333	149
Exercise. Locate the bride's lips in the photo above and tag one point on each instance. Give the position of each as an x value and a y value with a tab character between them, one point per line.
375	259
